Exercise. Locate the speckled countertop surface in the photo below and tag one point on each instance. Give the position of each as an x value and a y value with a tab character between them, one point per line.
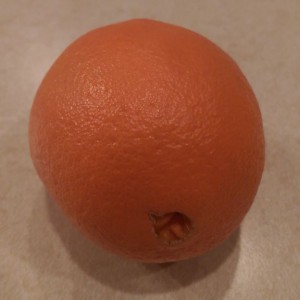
43	257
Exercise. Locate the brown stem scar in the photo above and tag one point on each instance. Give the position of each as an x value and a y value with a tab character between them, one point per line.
172	228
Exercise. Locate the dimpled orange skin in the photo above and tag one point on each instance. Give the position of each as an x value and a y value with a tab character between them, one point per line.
141	118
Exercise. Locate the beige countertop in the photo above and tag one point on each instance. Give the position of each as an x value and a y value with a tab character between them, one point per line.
43	257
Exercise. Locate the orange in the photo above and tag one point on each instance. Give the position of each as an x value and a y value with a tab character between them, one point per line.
149	138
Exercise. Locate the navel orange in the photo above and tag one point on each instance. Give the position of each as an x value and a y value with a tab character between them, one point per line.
149	138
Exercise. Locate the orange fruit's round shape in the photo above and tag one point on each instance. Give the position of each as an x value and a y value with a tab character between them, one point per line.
149	138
